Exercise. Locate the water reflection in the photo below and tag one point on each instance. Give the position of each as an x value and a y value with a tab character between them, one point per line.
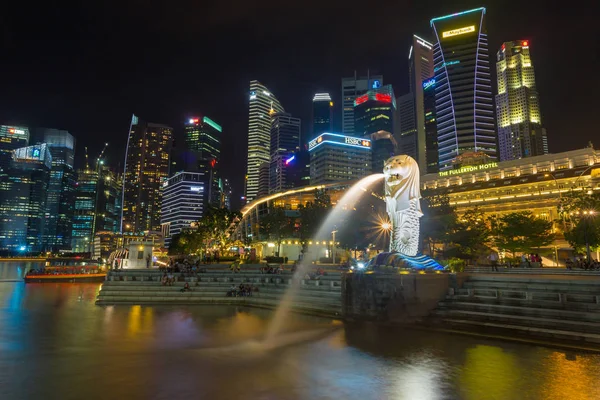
53	339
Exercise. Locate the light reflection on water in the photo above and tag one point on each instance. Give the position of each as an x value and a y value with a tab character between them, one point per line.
54	340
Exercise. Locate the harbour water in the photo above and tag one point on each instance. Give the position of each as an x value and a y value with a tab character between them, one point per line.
56	343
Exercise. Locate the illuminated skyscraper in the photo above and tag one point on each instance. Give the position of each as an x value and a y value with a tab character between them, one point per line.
263	104
464	104
520	131
146	168
411	133
374	111
322	116
338	158
353	87
61	190
11	138
23	197
431	139
285	143
203	154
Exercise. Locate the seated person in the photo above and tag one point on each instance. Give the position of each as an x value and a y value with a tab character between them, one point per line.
186	287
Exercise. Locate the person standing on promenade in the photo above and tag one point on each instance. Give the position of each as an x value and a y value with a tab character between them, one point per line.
494	260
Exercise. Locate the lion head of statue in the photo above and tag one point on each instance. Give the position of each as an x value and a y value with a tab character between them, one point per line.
401	183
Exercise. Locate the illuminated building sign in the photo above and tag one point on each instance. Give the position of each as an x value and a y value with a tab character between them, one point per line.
252	95
193	120
469	168
289	160
36	153
386	98
361	99
212	123
422	43
340	140
15	131
196	188
459	31
428	83
446	64
376	84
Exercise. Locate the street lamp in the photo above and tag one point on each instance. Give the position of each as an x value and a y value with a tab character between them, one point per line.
386	227
587	214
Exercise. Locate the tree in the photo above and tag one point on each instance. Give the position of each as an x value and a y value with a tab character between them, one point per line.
585	234
439	219
217	226
470	235
276	225
186	242
313	214
522	232
581	210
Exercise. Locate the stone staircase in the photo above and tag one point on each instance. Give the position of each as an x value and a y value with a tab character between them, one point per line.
544	306
322	297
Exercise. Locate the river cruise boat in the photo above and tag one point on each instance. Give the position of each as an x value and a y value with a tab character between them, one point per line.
67	270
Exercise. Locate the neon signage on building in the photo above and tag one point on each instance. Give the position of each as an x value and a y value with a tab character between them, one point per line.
341	140
469	168
459	31
428	83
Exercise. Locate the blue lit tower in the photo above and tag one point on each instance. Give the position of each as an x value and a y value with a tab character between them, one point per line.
463	92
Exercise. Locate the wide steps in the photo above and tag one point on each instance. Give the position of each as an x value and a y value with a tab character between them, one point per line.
522	302
518	330
525	320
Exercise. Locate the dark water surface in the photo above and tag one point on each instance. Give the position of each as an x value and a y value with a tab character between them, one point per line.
56	344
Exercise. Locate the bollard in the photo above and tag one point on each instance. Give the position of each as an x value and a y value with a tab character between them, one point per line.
332	283
303	281
317	283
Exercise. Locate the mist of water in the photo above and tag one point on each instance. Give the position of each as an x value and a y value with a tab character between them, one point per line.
331	223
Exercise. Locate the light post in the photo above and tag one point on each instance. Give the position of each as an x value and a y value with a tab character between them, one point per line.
587	215
559	200
333	246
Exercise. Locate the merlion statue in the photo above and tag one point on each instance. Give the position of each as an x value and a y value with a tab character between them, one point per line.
402	198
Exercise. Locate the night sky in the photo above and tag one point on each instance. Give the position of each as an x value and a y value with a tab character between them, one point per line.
87	67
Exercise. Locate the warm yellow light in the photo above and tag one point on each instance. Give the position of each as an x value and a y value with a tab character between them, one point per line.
459	31
386	226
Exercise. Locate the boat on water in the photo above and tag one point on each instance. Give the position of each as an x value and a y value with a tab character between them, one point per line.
67	270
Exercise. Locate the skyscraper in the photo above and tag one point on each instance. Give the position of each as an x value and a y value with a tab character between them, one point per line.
23	200
203	154
520	131
61	190
11	138
97	206
431	139
263	104
146	168
285	143
353	87
464	104
338	158
374	111
182	203
411	137
322	116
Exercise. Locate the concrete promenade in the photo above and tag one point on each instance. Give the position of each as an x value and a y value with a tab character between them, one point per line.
320	297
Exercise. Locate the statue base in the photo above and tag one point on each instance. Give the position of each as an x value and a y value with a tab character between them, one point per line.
399	260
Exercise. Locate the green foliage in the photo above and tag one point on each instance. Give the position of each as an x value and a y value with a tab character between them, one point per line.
456	264
312	215
276	225
470	234
522	232
586	231
439	218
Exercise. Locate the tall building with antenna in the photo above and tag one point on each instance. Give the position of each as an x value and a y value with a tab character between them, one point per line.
263	105
352	87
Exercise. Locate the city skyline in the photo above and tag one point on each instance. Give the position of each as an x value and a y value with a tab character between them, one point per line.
96	114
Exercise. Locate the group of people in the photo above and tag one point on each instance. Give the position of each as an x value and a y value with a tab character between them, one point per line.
582	263
267	269
209	258
243	290
316	275
168	279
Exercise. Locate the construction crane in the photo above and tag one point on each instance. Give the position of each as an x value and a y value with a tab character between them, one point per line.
98	161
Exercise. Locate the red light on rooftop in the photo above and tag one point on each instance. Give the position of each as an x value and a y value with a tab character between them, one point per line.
11	130
386	98
361	99
525	43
